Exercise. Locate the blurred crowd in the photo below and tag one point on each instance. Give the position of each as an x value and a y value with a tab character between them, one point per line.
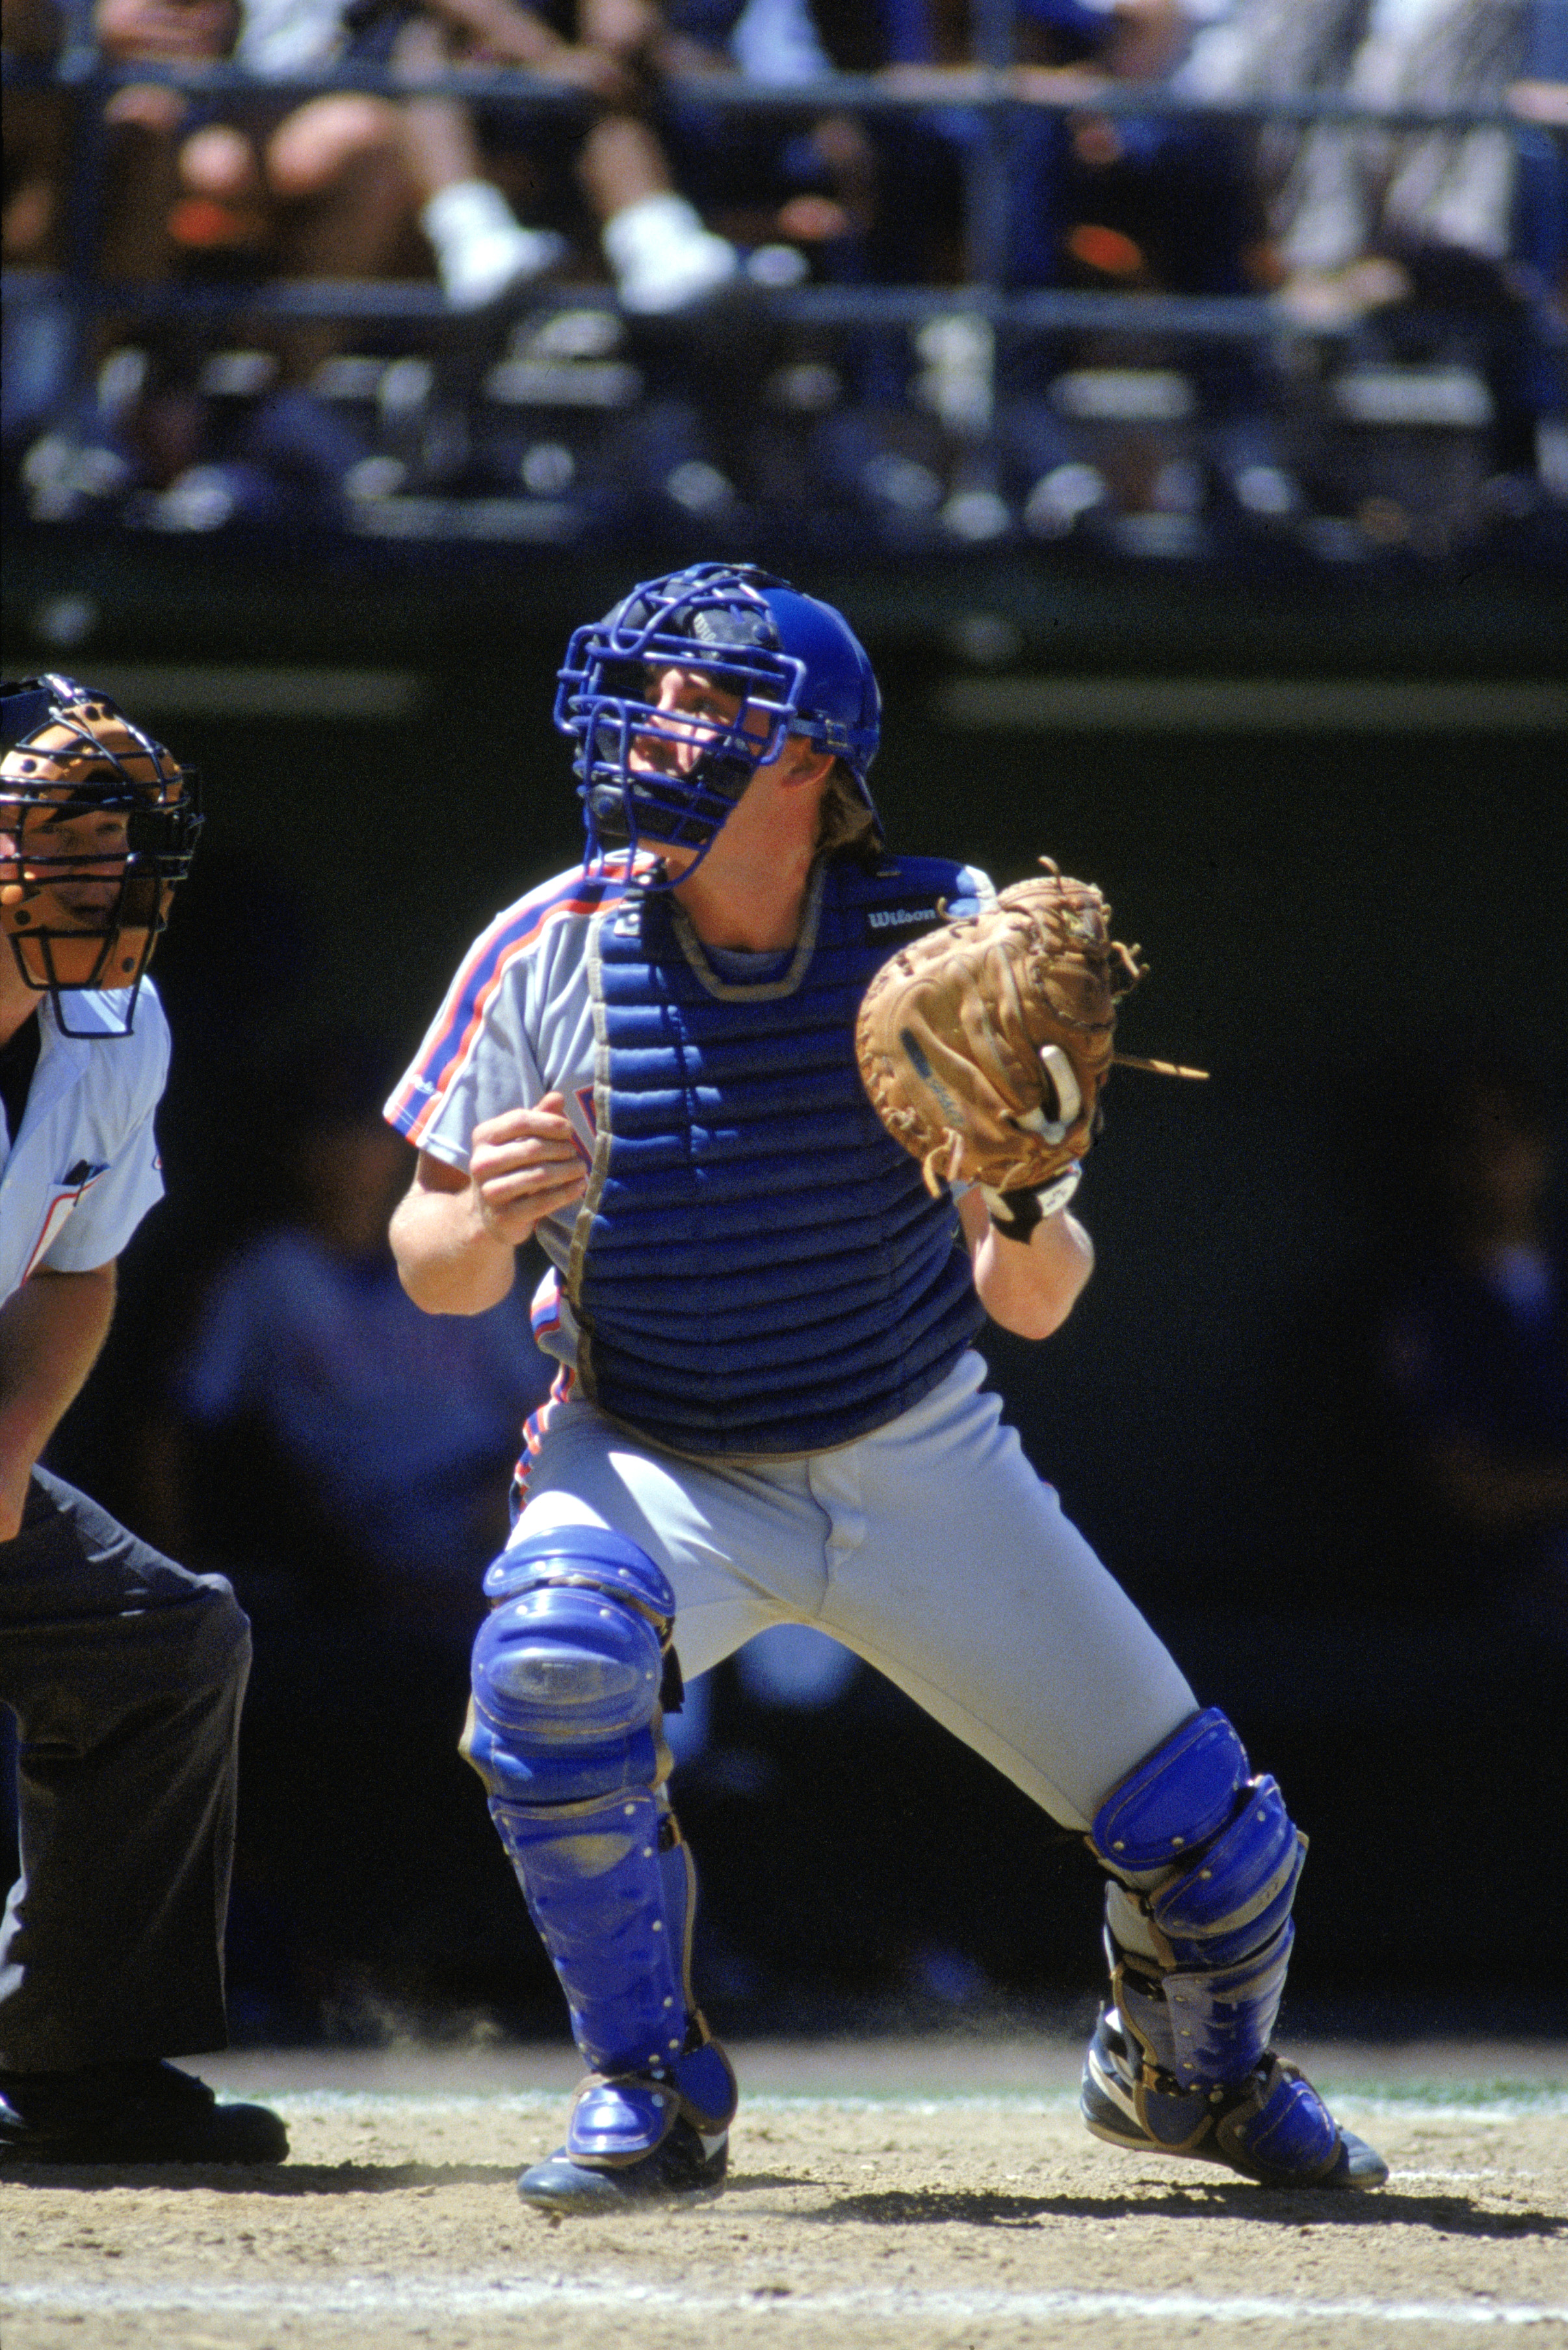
1470	1361
594	158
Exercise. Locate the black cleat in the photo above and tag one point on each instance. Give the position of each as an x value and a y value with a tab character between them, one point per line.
684	2169
127	2113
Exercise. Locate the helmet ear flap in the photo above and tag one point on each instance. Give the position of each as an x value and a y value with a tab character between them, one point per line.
840	706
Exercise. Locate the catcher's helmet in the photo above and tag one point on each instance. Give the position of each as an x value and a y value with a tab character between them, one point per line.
793	662
97	826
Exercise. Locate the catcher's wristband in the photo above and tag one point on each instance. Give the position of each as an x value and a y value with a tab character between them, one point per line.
1016	1213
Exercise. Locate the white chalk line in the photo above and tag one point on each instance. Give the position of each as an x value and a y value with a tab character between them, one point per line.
301	2105
392	2294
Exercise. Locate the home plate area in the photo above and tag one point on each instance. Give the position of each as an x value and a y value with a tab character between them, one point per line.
881	2196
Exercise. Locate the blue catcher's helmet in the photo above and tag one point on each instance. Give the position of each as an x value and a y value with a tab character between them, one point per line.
793	662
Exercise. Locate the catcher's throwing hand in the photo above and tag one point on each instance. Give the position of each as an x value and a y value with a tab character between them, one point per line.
984	1045
526	1164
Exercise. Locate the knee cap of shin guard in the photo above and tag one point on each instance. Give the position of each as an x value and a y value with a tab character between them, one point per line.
593	1558
522	1771
1176	1799
565	1666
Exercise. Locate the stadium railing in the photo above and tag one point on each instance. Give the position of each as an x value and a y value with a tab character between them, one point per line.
990	94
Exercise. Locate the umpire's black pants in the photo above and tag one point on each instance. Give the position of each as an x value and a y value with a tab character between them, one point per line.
125	1675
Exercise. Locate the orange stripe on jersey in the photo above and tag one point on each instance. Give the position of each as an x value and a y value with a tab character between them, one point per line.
418	1100
536	1424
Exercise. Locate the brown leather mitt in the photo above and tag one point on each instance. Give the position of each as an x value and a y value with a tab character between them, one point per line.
983	1046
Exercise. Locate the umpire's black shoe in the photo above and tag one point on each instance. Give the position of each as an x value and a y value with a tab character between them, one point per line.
126	2114
684	2168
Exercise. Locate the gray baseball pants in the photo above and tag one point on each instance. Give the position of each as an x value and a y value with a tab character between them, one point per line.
929	1547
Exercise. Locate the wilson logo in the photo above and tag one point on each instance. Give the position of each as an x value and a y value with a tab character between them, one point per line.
894	918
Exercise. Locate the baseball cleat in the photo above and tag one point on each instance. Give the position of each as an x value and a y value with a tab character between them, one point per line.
126	2114
1273	2128
686	2167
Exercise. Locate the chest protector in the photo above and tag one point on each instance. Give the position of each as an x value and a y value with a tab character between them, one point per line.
757	1267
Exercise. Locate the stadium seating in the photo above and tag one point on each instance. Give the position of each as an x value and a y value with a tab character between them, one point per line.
818	400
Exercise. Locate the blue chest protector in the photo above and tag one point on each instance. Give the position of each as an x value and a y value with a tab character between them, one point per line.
758	1267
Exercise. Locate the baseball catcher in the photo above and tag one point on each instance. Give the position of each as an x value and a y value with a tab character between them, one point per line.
763	1292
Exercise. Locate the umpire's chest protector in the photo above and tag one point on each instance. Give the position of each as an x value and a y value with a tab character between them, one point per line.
757	1267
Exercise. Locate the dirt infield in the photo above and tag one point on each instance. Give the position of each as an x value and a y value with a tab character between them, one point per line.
882	2196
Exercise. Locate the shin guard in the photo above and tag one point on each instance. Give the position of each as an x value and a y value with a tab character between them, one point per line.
568	1670
1209	1860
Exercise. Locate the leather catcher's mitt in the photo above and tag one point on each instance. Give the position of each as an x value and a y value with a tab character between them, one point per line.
984	1045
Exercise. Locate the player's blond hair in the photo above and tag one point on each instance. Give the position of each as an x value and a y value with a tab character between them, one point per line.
845	824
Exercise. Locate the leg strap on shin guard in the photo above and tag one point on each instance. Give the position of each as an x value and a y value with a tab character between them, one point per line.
568	1670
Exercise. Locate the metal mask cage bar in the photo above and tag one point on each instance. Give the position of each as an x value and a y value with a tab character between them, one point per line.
159	841
162	820
160	833
137	910
624	802
741	670
678	810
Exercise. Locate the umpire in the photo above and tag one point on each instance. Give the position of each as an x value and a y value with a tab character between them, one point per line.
125	1673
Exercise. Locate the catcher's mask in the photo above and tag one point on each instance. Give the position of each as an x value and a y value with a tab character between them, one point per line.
794	664
97	826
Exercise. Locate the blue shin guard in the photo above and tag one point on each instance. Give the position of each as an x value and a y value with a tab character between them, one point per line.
568	1670
1182	2063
